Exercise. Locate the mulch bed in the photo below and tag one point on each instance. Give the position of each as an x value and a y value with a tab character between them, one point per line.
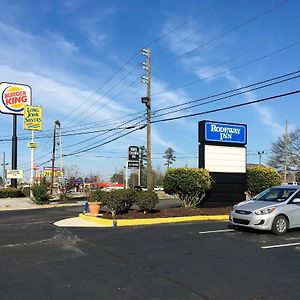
168	212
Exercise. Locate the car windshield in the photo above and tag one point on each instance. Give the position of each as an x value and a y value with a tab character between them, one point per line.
274	194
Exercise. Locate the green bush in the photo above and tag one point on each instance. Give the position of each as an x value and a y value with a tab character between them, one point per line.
119	201
260	178
40	194
26	191
97	196
188	184
146	200
11	193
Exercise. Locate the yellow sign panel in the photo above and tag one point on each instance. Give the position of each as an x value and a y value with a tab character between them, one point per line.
33	117
32	145
57	172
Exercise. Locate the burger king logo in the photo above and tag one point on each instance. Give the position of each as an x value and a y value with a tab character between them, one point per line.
14	97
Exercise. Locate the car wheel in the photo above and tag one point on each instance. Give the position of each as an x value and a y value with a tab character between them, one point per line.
280	225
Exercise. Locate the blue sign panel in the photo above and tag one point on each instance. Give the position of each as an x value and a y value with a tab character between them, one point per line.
226	133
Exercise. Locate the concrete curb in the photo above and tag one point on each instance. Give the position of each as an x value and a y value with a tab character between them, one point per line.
7	208
152	221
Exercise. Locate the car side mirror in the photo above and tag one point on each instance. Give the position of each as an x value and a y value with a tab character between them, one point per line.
296	200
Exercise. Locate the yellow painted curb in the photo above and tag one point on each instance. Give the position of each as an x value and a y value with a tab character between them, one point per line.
150	221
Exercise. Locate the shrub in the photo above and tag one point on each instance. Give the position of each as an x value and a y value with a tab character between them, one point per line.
26	191
260	178
119	201
188	184
146	200
40	194
97	196
11	193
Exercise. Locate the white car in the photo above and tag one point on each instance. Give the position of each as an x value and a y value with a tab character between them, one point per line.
276	209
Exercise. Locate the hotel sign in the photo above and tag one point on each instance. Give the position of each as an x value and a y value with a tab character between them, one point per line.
222	132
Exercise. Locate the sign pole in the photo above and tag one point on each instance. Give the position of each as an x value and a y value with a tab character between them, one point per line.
126	175
32	161
14	182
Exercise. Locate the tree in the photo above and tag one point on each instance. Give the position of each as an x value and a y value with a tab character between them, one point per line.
170	157
71	171
277	157
117	177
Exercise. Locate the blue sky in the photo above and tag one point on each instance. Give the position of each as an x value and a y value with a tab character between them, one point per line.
81	59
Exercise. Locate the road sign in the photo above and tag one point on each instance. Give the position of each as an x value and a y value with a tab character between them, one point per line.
133	164
14	174
133	153
33	117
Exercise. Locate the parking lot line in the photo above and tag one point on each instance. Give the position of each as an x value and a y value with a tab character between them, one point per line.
216	231
281	245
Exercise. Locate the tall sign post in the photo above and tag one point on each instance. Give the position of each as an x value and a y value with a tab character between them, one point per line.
222	151
14	97
32	121
133	162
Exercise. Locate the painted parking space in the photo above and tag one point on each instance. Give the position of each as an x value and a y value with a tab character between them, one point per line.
264	240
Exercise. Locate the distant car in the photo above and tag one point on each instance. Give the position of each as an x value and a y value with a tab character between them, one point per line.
276	209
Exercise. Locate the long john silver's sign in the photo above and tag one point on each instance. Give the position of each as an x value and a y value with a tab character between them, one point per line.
226	133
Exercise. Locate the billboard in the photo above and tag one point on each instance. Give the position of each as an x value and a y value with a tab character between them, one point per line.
32	117
14	97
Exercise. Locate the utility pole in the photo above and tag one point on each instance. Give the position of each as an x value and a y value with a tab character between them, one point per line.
147	101
285	150
56	123
260	153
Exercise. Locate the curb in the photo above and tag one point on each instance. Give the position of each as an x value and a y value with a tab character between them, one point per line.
152	221
10	208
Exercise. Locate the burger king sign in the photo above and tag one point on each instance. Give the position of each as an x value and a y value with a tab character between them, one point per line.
14	97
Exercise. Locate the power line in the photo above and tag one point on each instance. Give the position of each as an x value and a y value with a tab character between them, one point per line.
229	96
228	107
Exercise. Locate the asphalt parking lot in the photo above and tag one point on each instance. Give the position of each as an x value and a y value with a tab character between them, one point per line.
203	260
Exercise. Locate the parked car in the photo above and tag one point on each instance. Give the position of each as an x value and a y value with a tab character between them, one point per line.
276	209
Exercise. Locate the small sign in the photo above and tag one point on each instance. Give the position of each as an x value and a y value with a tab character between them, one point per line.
14	97
57	172
133	164
33	117
32	145
134	153
14	174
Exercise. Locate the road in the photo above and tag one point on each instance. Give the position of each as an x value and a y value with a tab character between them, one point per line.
204	260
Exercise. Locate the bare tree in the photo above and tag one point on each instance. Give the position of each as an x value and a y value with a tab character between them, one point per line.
277	157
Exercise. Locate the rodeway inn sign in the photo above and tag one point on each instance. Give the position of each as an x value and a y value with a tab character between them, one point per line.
225	133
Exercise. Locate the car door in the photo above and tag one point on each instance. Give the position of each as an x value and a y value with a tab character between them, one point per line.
294	210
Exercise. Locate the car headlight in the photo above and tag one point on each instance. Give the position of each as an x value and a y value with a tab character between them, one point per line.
265	211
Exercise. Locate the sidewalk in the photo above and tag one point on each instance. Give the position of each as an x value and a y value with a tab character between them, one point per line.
25	203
